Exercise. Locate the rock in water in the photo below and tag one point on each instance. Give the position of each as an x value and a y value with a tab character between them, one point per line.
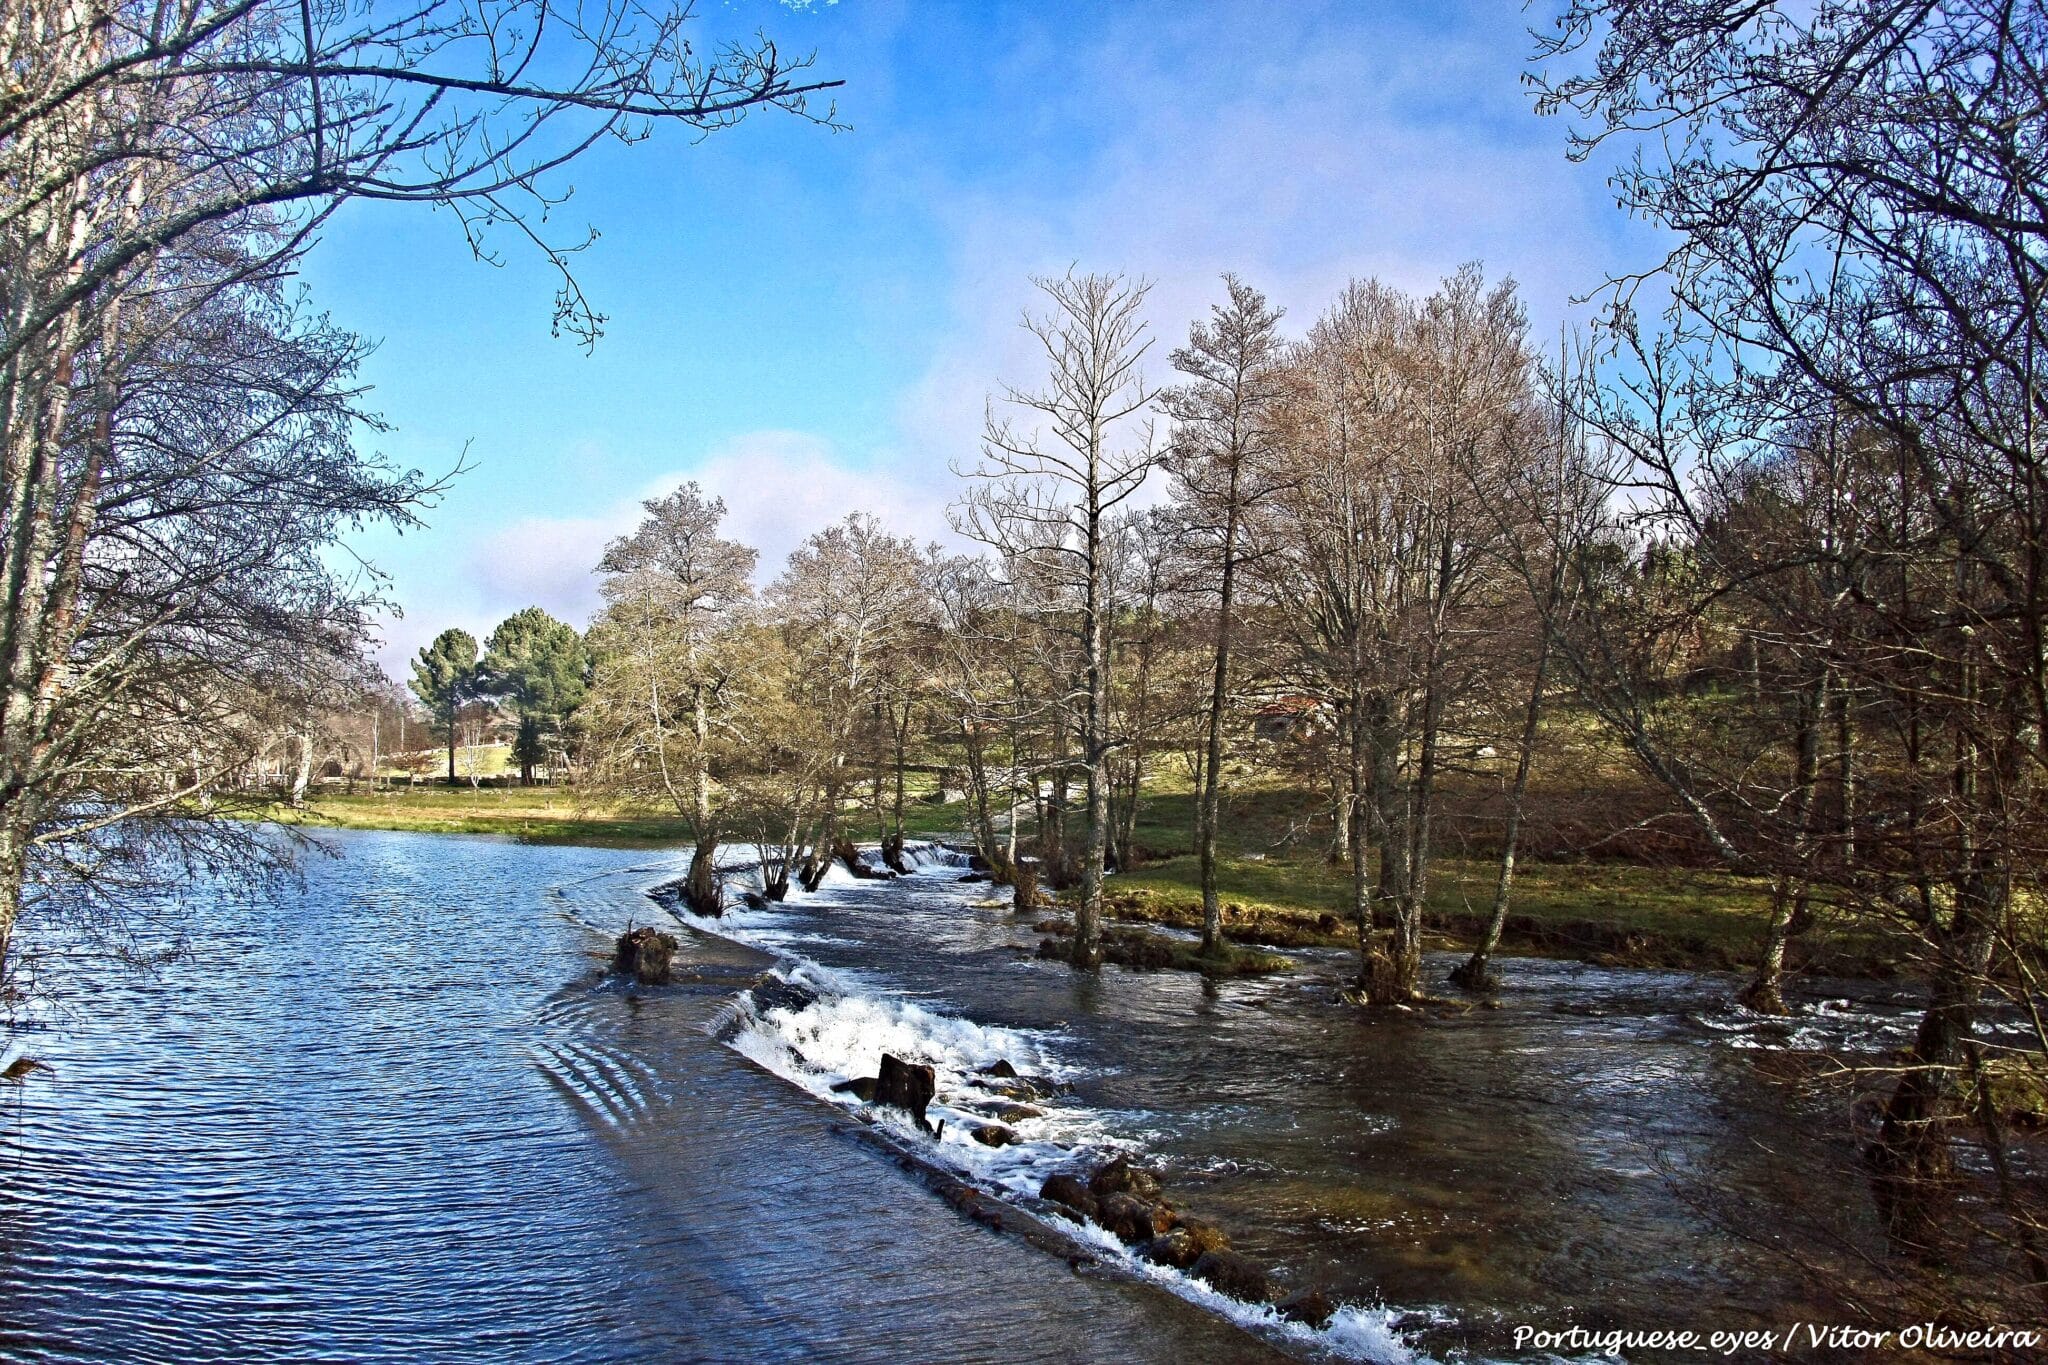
1205	1236
1229	1273
1135	1220
1121	1177
993	1135
645	954
1175	1248
1068	1191
908	1086
1310	1306
863	1087
774	993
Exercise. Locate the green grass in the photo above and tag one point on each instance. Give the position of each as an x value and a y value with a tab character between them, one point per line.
1673	916
1278	887
543	814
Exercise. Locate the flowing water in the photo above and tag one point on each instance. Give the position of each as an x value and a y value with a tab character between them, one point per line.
404	1115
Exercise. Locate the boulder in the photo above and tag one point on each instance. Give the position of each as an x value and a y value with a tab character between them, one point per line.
645	954
1119	1176
1017	1113
861	1086
1205	1236
1134	1220
1310	1307
1000	1068
774	993
993	1135
1174	1248
1226	1272
1070	1192
908	1086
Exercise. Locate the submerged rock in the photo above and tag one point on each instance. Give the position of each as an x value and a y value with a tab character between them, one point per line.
859	866
774	993
1310	1307
1205	1236
1017	1113
1226	1272
645	954
1017	1088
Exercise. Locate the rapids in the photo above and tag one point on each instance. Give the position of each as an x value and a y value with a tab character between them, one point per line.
402	1114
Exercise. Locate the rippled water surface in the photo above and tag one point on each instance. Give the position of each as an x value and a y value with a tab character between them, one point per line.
1606	1148
400	1116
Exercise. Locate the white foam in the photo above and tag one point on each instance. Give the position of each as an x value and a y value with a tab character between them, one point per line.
841	1035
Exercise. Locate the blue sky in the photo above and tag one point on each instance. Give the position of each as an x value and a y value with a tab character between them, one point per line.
809	322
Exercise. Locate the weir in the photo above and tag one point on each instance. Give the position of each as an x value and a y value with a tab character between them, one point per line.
418	1118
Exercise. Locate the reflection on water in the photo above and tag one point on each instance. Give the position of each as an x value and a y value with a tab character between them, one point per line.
401	1117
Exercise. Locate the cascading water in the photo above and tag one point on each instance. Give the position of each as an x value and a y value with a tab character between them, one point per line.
405	1115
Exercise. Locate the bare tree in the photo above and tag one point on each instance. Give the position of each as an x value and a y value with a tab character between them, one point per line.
1857	193
1220	454
848	597
676	591
1381	545
177	433
1047	492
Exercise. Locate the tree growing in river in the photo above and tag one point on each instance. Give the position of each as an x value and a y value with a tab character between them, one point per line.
1044	497
1854	191
1379	555
848	599
1220	455
677	595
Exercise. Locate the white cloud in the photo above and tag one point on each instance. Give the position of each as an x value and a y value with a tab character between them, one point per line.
780	487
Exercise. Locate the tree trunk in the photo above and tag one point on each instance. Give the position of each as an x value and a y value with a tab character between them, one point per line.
302	774
704	891
1765	992
1212	754
451	750
1388	979
1476	972
14	836
1358	806
1910	1160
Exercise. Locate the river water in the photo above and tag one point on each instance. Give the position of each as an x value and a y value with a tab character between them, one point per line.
402	1114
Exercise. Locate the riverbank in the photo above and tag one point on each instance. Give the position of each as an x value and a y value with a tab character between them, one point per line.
1276	893
539	814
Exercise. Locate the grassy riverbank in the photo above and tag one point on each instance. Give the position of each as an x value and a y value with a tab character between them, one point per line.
1278	886
543	814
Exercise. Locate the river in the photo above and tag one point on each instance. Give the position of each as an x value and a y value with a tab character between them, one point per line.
401	1113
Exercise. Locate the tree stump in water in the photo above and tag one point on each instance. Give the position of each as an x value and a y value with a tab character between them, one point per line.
907	1086
860	867
645	954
